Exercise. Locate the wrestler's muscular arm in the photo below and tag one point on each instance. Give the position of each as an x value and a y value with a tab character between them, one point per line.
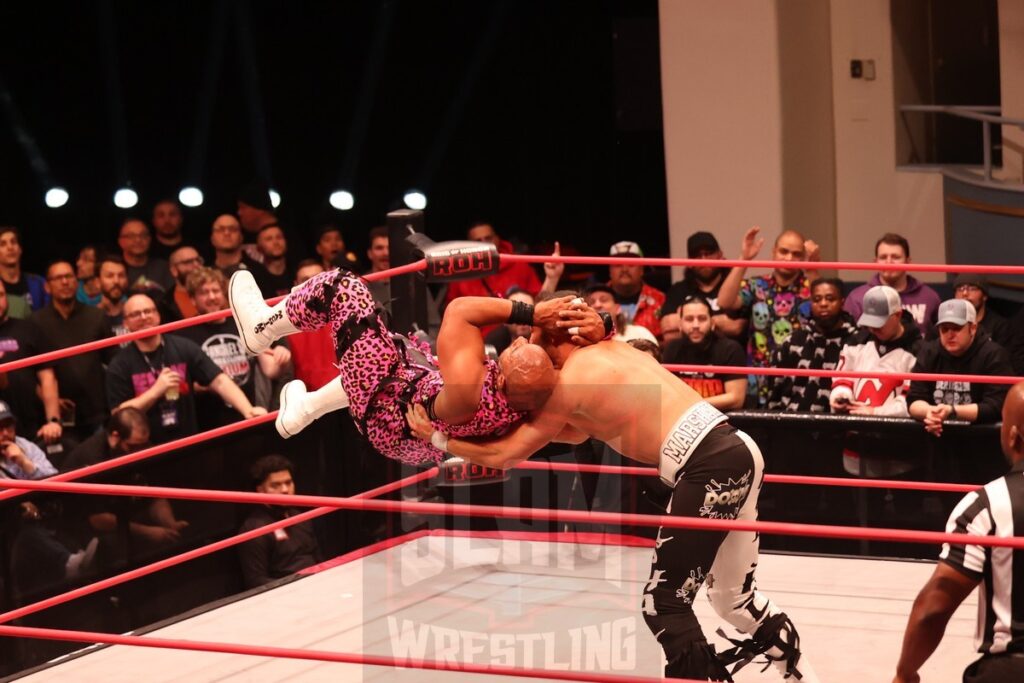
460	349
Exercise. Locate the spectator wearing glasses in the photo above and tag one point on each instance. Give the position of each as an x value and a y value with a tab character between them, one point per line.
226	238
177	304
974	288
145	273
26	292
67	322
155	374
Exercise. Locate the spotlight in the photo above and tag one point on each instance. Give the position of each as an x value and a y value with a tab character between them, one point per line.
191	196
415	200
56	197
342	200
275	199
125	198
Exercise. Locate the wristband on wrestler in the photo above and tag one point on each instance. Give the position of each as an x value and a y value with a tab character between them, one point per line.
952	410
522	314
439	440
609	325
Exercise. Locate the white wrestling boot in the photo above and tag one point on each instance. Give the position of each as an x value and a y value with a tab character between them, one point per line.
258	325
300	408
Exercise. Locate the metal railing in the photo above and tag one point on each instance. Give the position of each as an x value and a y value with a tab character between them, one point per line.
986	114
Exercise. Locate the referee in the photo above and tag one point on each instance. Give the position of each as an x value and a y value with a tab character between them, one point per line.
995	510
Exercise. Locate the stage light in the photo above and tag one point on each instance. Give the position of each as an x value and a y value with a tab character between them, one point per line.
342	200
275	199
56	197
415	200
191	196
125	198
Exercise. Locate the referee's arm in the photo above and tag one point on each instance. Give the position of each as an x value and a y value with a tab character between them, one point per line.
935	604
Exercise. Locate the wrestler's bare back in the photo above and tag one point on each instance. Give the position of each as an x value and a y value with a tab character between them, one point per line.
624	397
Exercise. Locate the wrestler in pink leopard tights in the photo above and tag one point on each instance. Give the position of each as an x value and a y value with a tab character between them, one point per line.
377	375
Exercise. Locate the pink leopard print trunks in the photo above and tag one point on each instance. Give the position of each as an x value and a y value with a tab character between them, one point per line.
376	374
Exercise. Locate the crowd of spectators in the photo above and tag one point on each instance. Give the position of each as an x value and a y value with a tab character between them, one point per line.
93	406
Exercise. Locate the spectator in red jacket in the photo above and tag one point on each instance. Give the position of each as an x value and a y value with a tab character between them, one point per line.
640	303
509	275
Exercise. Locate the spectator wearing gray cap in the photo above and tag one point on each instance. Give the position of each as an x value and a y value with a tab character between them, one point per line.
974	288
961	349
702	281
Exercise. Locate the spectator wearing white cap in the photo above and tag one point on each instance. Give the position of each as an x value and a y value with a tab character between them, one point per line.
887	341
639	302
961	349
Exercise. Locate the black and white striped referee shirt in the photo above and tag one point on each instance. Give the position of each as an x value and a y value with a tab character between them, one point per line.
995	510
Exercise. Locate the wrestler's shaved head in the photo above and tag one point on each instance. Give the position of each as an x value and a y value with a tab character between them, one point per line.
528	375
1011	435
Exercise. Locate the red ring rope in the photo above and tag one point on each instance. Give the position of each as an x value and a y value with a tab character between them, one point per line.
769	478
806	372
729	263
317	655
508	512
152	451
170	327
175	560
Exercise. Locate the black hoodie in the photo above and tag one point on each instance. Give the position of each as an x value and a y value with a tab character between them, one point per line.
983	357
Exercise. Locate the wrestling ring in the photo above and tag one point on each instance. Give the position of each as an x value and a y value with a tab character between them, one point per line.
439	604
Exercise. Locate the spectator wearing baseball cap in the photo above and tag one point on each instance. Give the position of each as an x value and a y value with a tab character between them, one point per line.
974	288
640	303
602	299
19	457
961	349
887	340
705	283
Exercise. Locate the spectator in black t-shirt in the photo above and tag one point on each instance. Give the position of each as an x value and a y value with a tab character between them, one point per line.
151	521
66	322
961	349
167	226
282	552
38	414
226	239
699	345
219	340
113	276
700	281
156	375
146	275
273	276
